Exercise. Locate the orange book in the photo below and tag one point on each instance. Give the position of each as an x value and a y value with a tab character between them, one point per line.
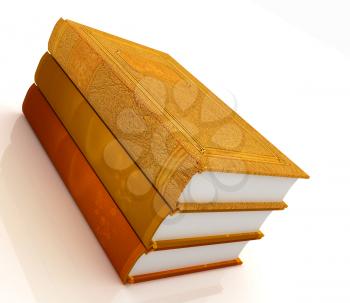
121	244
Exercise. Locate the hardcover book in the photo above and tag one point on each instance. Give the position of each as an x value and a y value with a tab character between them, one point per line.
187	141
131	259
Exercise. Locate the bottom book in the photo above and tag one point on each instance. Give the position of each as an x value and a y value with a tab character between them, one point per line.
126	252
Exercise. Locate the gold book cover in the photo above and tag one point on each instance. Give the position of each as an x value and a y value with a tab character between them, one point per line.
171	125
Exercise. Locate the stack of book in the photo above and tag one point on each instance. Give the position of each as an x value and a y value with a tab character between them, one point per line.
170	179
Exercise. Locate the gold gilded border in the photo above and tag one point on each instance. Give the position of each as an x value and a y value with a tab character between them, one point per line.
229	206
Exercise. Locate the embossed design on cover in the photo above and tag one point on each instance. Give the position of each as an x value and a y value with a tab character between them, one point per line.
169	138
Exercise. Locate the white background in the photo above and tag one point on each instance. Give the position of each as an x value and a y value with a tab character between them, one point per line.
287	63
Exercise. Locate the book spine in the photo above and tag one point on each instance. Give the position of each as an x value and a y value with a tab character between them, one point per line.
134	194
112	230
149	138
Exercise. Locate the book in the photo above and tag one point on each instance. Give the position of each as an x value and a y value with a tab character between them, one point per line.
198	153
130	258
147	212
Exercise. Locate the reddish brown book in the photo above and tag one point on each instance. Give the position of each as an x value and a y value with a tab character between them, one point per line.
112	230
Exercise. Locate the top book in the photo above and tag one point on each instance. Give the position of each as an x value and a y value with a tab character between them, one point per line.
175	129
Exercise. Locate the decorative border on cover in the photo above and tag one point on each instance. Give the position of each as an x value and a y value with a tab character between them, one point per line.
229	206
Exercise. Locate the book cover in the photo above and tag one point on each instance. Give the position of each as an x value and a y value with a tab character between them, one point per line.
171	125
